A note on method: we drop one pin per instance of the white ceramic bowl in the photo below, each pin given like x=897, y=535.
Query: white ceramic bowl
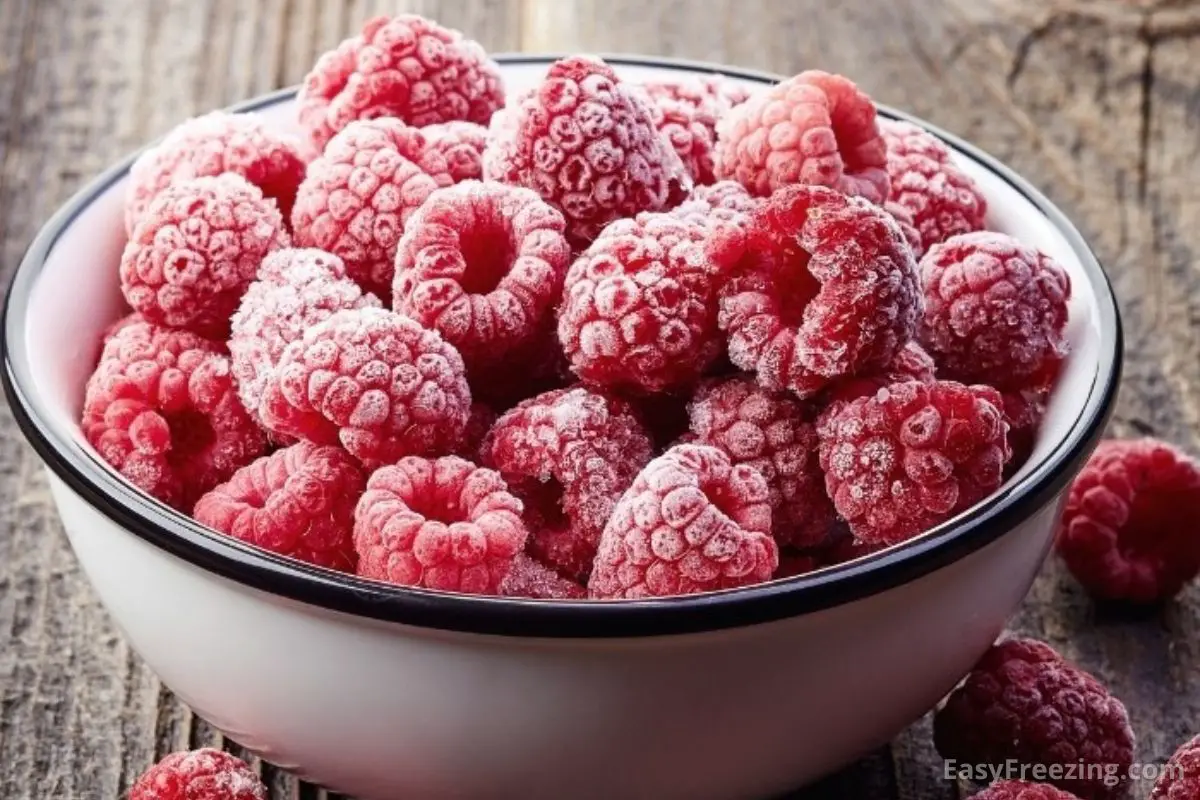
x=384, y=692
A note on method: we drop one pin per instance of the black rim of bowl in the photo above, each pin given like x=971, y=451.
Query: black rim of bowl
x=81, y=469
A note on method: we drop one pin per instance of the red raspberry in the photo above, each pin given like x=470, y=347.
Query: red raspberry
x=530, y=578
x=210, y=145
x=407, y=67
x=298, y=502
x=199, y=775
x=690, y=129
x=587, y=144
x=1023, y=409
x=440, y=524
x=375, y=382
x=692, y=522
x=161, y=408
x=638, y=307
x=1128, y=529
x=360, y=193
x=912, y=456
x=462, y=145
x=195, y=250
x=1180, y=778
x=529, y=369
x=823, y=286
x=905, y=140
x=568, y=454
x=721, y=203
x=124, y=322
x=771, y=433
x=813, y=128
x=942, y=200
x=713, y=95
x=995, y=311
x=908, y=226
x=1022, y=790
x=483, y=265
x=793, y=565
x=1024, y=702
x=911, y=363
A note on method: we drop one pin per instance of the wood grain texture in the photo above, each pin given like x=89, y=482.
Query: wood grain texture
x=1098, y=101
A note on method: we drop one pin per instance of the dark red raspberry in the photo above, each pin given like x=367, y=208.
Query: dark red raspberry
x=822, y=287
x=462, y=145
x=843, y=547
x=529, y=369
x=375, y=382
x=995, y=311
x=439, y=524
x=1128, y=529
x=1024, y=702
x=770, y=432
x=360, y=193
x=639, y=306
x=1022, y=790
x=205, y=774
x=161, y=408
x=406, y=67
x=813, y=128
x=692, y=522
x=912, y=456
x=1023, y=409
x=196, y=248
x=568, y=454
x=911, y=363
x=587, y=144
x=1180, y=777
x=479, y=422
x=908, y=226
x=792, y=565
x=210, y=145
x=665, y=417
x=530, y=578
x=942, y=200
x=483, y=265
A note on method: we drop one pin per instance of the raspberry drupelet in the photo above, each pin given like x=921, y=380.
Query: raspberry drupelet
x=439, y=524
x=204, y=774
x=1022, y=790
x=373, y=381
x=532, y=579
x=162, y=409
x=906, y=140
x=911, y=456
x=1180, y=778
x=1024, y=703
x=691, y=522
x=586, y=143
x=483, y=264
x=406, y=67
x=720, y=203
x=911, y=363
x=196, y=248
x=1128, y=531
x=813, y=128
x=686, y=114
x=461, y=144
x=820, y=287
x=298, y=501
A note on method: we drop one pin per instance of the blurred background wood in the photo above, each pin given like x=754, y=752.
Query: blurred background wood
x=1098, y=101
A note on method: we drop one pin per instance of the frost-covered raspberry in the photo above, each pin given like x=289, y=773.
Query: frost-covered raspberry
x=360, y=193
x=568, y=455
x=298, y=501
x=1022, y=790
x=639, y=306
x=406, y=67
x=375, y=382
x=210, y=145
x=586, y=143
x=906, y=140
x=1023, y=410
x=995, y=311
x=713, y=94
x=161, y=408
x=529, y=369
x=1180, y=777
x=771, y=433
x=483, y=264
x=439, y=524
x=911, y=456
x=911, y=363
x=822, y=286
x=196, y=248
x=204, y=774
x=532, y=579
x=461, y=144
x=692, y=522
x=479, y=422
x=813, y=128
x=908, y=226
x=720, y=203
x=1128, y=530
x=686, y=114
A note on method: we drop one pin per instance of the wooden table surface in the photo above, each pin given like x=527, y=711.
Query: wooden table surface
x=1097, y=101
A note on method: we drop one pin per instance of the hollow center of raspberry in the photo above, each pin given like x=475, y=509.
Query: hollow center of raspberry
x=488, y=256
x=191, y=436
x=543, y=504
x=794, y=287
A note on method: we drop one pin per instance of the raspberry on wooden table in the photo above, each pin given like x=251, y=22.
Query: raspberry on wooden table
x=205, y=774
x=461, y=144
x=1180, y=777
x=1022, y=790
x=532, y=579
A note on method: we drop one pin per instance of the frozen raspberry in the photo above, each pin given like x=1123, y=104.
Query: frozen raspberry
x=375, y=382
x=1022, y=790
x=941, y=199
x=822, y=287
x=124, y=322
x=479, y=422
x=1023, y=409
x=195, y=250
x=908, y=226
x=713, y=94
x=1024, y=702
x=911, y=363
x=843, y=547
x=912, y=456
x=770, y=433
x=691, y=130
x=568, y=454
x=792, y=565
x=692, y=522
x=360, y=193
x=1180, y=778
x=161, y=408
x=210, y=145
x=462, y=145
x=440, y=524
x=529, y=369
x=813, y=128
x=995, y=311
x=530, y=578
x=638, y=307
x=296, y=289
x=199, y=775
x=905, y=140
x=406, y=67
x=587, y=144
x=720, y=203
x=483, y=264
x=1128, y=530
